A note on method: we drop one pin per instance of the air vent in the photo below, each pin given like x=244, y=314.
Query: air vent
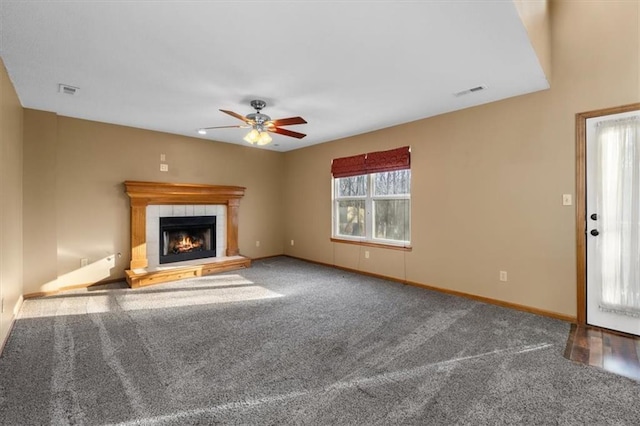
x=472, y=90
x=67, y=90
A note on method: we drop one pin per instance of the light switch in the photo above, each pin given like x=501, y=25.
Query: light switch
x=163, y=157
x=566, y=200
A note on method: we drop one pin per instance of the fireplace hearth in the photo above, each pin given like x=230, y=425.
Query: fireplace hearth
x=187, y=238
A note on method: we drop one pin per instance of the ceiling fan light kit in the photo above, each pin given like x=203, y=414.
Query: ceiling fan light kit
x=261, y=125
x=257, y=137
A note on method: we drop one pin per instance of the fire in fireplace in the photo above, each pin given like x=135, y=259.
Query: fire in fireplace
x=187, y=238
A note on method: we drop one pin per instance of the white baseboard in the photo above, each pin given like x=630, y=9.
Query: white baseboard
x=17, y=306
x=16, y=310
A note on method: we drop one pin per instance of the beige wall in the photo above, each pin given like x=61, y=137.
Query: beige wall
x=39, y=198
x=536, y=17
x=487, y=182
x=75, y=169
x=10, y=201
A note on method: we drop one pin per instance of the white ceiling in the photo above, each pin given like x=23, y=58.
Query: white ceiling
x=347, y=67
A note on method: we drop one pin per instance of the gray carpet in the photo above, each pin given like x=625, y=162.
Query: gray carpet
x=288, y=342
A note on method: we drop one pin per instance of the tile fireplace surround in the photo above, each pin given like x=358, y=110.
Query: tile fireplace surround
x=222, y=201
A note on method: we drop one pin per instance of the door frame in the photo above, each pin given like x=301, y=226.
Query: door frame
x=581, y=201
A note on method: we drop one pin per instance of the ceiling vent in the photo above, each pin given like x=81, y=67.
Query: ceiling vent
x=472, y=90
x=67, y=90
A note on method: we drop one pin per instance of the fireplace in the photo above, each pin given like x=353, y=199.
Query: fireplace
x=187, y=238
x=193, y=197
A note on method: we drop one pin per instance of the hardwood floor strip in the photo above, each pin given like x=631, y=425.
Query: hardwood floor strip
x=570, y=340
x=580, y=354
x=614, y=352
x=623, y=359
x=595, y=350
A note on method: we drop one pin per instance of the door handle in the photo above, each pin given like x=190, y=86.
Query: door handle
x=594, y=216
x=594, y=232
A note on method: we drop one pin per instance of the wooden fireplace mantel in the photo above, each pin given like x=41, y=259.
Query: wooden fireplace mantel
x=181, y=193
x=143, y=194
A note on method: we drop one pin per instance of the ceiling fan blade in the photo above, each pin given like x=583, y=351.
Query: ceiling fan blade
x=286, y=132
x=236, y=115
x=245, y=126
x=288, y=121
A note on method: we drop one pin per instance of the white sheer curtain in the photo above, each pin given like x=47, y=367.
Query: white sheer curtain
x=618, y=204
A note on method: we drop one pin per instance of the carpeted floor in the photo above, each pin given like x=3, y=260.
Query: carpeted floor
x=288, y=342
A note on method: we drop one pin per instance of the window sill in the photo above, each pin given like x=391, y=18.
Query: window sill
x=370, y=244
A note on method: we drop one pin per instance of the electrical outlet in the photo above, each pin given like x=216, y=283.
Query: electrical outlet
x=566, y=200
x=84, y=262
x=164, y=167
x=503, y=276
x=257, y=243
x=366, y=254
x=291, y=242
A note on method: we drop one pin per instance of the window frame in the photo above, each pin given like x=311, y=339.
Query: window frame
x=369, y=238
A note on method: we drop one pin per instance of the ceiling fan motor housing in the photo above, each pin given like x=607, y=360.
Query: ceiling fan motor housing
x=257, y=104
x=258, y=118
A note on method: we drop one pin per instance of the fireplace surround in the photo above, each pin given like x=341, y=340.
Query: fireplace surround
x=143, y=194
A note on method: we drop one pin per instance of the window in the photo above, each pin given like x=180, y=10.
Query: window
x=372, y=197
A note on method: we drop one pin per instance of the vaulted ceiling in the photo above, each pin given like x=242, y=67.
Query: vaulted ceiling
x=347, y=67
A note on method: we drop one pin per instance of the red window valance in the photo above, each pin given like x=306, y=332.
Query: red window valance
x=373, y=162
x=348, y=166
x=388, y=161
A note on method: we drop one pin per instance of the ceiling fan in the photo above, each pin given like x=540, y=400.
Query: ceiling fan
x=261, y=124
